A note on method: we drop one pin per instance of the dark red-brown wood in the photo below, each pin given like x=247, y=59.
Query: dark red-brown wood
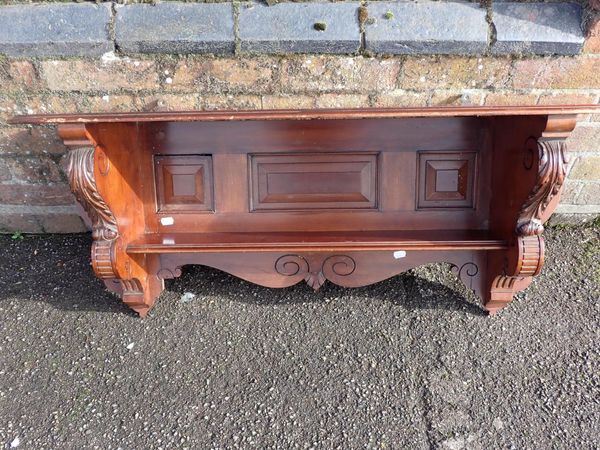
x=349, y=196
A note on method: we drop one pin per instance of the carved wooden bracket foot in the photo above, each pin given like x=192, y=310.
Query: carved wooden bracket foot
x=141, y=295
x=517, y=269
x=503, y=290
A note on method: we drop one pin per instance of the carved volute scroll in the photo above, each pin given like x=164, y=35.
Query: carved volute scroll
x=467, y=273
x=318, y=271
x=552, y=171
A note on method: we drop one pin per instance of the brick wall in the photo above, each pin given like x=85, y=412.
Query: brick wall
x=34, y=195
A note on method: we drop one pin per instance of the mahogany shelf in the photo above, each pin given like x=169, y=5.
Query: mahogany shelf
x=349, y=196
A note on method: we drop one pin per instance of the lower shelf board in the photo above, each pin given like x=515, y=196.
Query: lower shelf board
x=315, y=241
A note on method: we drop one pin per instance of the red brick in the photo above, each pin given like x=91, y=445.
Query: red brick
x=579, y=72
x=4, y=172
x=45, y=104
x=570, y=192
x=586, y=168
x=18, y=75
x=287, y=101
x=585, y=138
x=432, y=73
x=109, y=103
x=224, y=75
x=568, y=99
x=589, y=194
x=22, y=140
x=87, y=75
x=231, y=102
x=444, y=98
x=24, y=223
x=36, y=194
x=510, y=99
x=62, y=223
x=342, y=101
x=398, y=99
x=338, y=74
x=592, y=41
x=33, y=169
x=8, y=108
x=168, y=102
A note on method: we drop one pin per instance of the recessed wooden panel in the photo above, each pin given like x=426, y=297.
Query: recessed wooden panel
x=446, y=179
x=184, y=183
x=313, y=181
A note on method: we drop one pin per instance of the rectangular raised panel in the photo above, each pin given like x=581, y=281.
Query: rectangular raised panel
x=313, y=181
x=184, y=183
x=446, y=179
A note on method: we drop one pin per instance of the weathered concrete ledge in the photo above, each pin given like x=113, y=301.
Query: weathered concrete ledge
x=427, y=27
x=539, y=28
x=55, y=29
x=174, y=27
x=388, y=27
x=300, y=27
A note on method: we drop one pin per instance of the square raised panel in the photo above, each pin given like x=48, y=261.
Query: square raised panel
x=184, y=183
x=446, y=179
x=313, y=181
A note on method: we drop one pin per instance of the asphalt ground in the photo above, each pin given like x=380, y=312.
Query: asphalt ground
x=408, y=363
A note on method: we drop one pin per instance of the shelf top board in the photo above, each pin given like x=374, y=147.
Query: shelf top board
x=307, y=114
x=317, y=240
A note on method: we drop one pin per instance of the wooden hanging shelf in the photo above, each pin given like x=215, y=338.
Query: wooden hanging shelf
x=350, y=196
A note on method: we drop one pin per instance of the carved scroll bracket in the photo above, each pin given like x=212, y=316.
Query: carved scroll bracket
x=552, y=171
x=80, y=171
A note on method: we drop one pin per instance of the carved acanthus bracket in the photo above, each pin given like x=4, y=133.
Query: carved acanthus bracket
x=80, y=170
x=552, y=171
x=318, y=270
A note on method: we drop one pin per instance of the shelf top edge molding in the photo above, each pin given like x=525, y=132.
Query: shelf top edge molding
x=307, y=114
